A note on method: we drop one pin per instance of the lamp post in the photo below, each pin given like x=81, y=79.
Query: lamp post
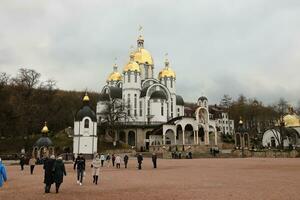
x=242, y=132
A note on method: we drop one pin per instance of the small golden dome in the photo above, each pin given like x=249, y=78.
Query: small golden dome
x=291, y=120
x=142, y=56
x=132, y=65
x=115, y=75
x=86, y=97
x=167, y=72
x=45, y=128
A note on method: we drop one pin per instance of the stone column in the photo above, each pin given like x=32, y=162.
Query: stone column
x=126, y=137
x=164, y=138
x=206, y=137
x=183, y=138
x=197, y=137
x=216, y=138
x=175, y=141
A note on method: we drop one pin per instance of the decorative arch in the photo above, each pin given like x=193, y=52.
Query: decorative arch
x=131, y=138
x=237, y=140
x=148, y=80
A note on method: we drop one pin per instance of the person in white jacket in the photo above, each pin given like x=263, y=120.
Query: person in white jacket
x=118, y=161
x=96, y=164
x=102, y=158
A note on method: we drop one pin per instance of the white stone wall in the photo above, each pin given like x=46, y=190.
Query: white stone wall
x=155, y=110
x=85, y=139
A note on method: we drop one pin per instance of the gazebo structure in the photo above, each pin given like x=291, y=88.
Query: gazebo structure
x=43, y=147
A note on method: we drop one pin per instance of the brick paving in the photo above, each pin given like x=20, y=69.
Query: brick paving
x=250, y=178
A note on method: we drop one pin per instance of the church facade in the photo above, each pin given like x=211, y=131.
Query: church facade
x=143, y=110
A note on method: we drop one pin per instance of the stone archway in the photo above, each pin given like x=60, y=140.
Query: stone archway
x=122, y=136
x=238, y=140
x=201, y=134
x=179, y=134
x=189, y=134
x=170, y=137
x=131, y=138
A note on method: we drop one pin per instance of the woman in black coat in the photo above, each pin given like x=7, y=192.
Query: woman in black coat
x=48, y=175
x=59, y=172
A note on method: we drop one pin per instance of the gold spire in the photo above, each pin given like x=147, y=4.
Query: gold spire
x=86, y=97
x=141, y=55
x=45, y=128
x=132, y=65
x=115, y=75
x=167, y=71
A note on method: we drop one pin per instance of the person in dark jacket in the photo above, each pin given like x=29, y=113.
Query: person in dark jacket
x=80, y=163
x=126, y=160
x=22, y=162
x=140, y=160
x=154, y=159
x=113, y=159
x=48, y=173
x=59, y=171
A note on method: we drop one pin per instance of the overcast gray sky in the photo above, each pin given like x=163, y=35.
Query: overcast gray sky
x=215, y=47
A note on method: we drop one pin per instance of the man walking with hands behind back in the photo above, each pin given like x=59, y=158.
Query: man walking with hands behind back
x=140, y=160
x=80, y=163
x=154, y=159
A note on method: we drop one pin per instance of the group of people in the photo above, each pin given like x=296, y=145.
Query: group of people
x=54, y=171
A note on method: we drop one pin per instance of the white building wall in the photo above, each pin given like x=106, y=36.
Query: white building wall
x=85, y=140
x=156, y=110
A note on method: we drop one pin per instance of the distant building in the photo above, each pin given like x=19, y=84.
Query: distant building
x=291, y=132
x=223, y=123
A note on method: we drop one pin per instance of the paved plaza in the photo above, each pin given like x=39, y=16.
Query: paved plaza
x=250, y=178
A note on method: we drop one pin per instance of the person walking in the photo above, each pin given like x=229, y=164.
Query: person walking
x=113, y=159
x=96, y=168
x=59, y=171
x=118, y=161
x=32, y=163
x=80, y=163
x=102, y=158
x=22, y=162
x=140, y=160
x=126, y=160
x=48, y=172
x=108, y=160
x=3, y=175
x=154, y=160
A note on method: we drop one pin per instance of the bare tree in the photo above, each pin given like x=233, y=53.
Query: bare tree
x=27, y=78
x=114, y=114
x=4, y=79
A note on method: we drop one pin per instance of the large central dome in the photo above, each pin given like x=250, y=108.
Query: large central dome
x=142, y=56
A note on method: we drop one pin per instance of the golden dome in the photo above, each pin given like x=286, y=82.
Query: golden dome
x=115, y=75
x=86, y=97
x=132, y=65
x=142, y=56
x=167, y=72
x=45, y=128
x=291, y=120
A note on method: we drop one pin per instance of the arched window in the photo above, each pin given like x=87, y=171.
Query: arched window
x=86, y=123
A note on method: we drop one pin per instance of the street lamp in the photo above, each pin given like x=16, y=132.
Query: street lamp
x=242, y=133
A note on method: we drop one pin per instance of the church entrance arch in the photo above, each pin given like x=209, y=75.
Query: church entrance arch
x=131, y=138
x=170, y=137
x=179, y=134
x=122, y=137
x=189, y=134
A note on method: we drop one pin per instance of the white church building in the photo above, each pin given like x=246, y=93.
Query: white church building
x=143, y=110
x=85, y=138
